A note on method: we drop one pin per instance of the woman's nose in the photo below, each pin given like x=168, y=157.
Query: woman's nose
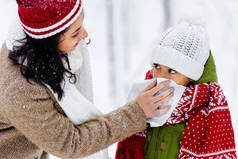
x=84, y=33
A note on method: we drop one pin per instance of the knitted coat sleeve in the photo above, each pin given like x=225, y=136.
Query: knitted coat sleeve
x=133, y=146
x=31, y=110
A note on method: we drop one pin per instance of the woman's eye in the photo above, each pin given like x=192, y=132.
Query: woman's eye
x=172, y=71
x=156, y=66
x=75, y=35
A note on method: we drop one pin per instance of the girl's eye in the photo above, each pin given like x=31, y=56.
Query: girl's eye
x=172, y=71
x=156, y=66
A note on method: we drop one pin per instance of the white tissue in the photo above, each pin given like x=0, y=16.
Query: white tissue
x=158, y=120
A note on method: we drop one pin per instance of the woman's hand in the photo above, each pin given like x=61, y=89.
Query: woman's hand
x=149, y=103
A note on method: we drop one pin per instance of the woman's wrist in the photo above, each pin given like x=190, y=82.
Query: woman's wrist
x=135, y=108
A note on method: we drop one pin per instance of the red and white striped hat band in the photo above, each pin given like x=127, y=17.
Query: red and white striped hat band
x=45, y=18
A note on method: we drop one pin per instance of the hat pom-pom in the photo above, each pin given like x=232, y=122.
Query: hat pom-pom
x=198, y=21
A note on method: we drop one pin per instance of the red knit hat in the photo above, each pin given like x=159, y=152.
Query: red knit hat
x=44, y=18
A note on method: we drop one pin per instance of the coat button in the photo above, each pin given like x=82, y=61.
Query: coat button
x=162, y=145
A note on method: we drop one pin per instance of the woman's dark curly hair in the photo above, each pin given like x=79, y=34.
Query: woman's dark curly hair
x=40, y=60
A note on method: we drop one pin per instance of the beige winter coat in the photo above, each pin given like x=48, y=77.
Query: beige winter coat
x=32, y=124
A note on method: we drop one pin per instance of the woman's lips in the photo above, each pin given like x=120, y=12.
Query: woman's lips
x=76, y=44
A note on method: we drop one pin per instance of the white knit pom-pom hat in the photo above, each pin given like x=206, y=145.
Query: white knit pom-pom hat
x=184, y=48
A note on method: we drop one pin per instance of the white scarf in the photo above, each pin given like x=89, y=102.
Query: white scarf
x=77, y=101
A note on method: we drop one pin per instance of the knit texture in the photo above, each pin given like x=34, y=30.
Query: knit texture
x=77, y=101
x=45, y=18
x=32, y=124
x=184, y=48
x=223, y=127
x=208, y=133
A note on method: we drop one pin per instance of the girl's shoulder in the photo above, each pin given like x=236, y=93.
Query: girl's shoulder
x=207, y=85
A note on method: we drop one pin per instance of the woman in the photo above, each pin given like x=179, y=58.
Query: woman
x=38, y=73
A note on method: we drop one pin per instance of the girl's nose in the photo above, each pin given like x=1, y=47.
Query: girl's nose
x=160, y=74
x=163, y=75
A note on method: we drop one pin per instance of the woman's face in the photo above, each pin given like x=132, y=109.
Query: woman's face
x=74, y=34
x=168, y=73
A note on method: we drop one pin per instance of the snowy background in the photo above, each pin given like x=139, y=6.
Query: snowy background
x=123, y=33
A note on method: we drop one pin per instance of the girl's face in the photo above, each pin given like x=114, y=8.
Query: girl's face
x=168, y=73
x=74, y=34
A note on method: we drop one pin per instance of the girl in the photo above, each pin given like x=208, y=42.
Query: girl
x=46, y=93
x=200, y=125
